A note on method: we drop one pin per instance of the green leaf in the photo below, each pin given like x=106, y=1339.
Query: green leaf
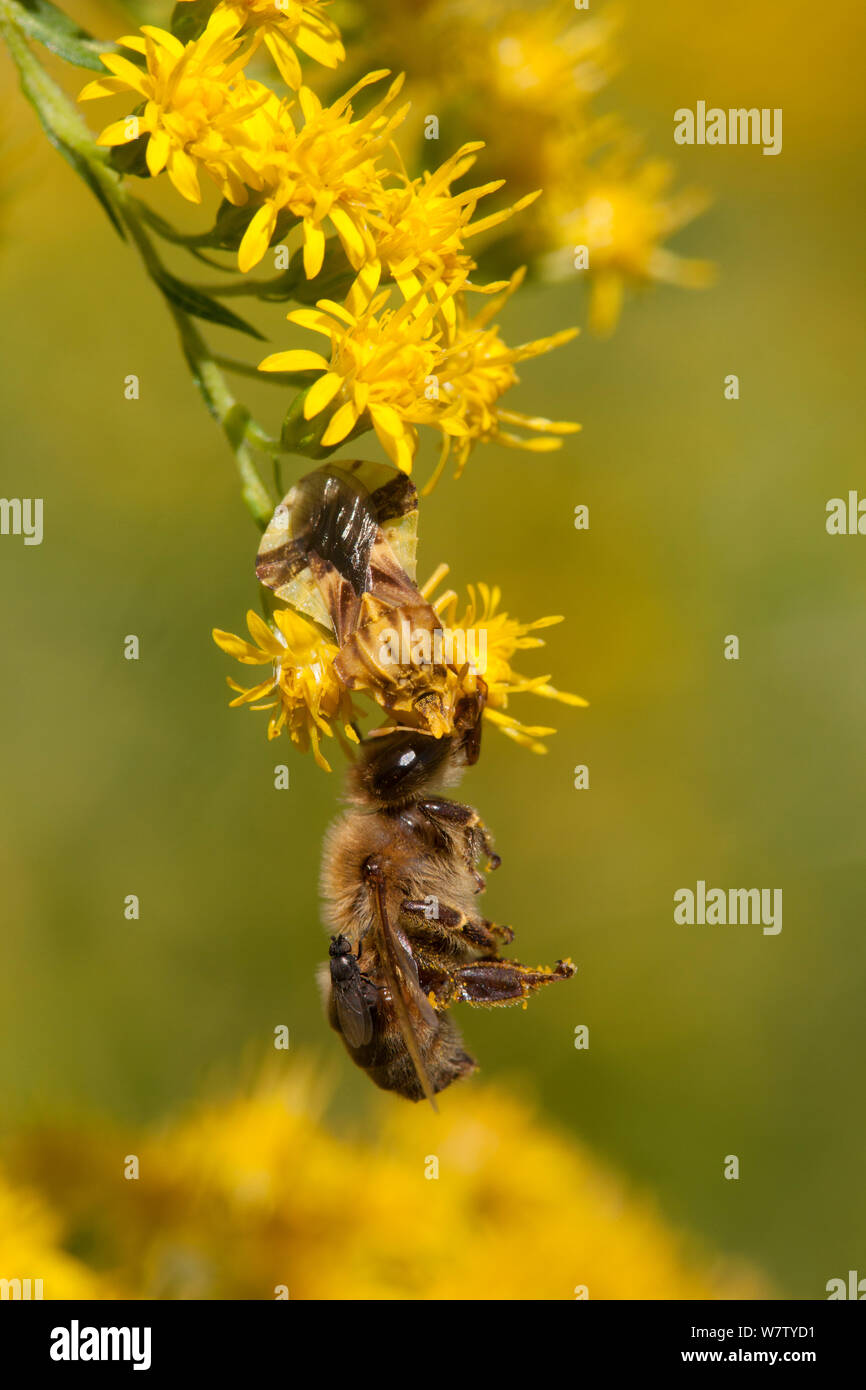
x=227, y=232
x=300, y=436
x=85, y=171
x=43, y=22
x=332, y=282
x=276, y=290
x=170, y=233
x=225, y=235
x=189, y=21
x=56, y=113
x=201, y=306
x=131, y=158
x=335, y=286
x=159, y=224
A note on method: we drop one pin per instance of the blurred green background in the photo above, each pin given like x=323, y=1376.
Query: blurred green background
x=707, y=518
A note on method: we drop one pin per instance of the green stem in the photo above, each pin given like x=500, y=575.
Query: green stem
x=237, y=423
x=273, y=289
x=51, y=104
x=240, y=429
x=68, y=132
x=236, y=288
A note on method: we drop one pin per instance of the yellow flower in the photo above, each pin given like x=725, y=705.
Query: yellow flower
x=324, y=172
x=31, y=1250
x=420, y=229
x=381, y=368
x=242, y=1201
x=195, y=103
x=495, y=637
x=306, y=692
x=285, y=25
x=474, y=370
x=531, y=64
x=623, y=217
x=408, y=367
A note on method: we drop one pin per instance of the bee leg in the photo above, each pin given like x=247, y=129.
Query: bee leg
x=496, y=982
x=477, y=932
x=455, y=813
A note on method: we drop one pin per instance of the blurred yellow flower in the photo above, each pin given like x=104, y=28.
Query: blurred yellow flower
x=524, y=80
x=255, y=1197
x=533, y=65
x=303, y=687
x=30, y=1251
x=622, y=216
x=502, y=637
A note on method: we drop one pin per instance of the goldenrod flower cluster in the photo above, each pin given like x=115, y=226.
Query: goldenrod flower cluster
x=304, y=694
x=403, y=348
x=531, y=82
x=504, y=636
x=245, y=1197
x=335, y=175
x=410, y=366
x=303, y=690
x=384, y=263
x=395, y=254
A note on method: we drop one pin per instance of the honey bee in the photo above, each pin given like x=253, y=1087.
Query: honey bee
x=399, y=882
x=400, y=871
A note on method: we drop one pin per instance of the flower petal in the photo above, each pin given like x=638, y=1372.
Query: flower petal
x=321, y=393
x=257, y=238
x=314, y=249
x=342, y=424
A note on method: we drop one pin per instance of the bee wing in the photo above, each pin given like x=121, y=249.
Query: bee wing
x=401, y=978
x=354, y=1013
